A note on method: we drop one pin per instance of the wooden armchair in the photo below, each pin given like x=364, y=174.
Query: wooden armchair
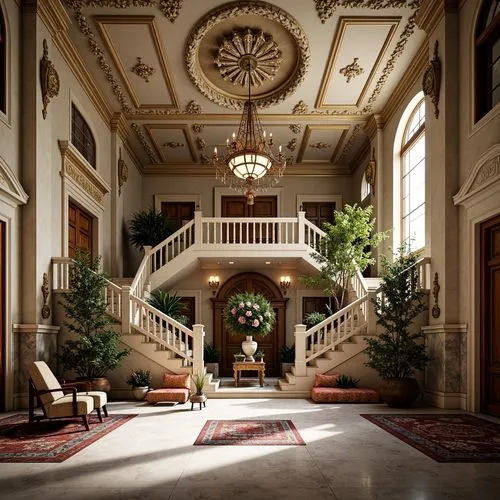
x=50, y=395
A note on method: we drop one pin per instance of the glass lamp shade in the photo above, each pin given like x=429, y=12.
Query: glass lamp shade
x=249, y=164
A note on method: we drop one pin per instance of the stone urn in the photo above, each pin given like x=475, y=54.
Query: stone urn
x=399, y=392
x=140, y=392
x=249, y=346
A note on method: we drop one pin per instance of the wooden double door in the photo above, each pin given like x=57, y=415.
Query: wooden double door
x=490, y=317
x=228, y=344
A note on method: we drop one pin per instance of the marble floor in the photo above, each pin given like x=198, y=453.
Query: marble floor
x=346, y=457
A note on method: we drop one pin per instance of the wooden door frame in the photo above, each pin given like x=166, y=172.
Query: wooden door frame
x=278, y=302
x=219, y=192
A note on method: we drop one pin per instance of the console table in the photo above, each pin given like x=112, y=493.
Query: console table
x=258, y=366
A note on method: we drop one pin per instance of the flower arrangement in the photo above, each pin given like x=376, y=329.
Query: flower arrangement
x=249, y=314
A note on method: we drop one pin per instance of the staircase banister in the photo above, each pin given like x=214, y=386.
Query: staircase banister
x=315, y=228
x=138, y=275
x=249, y=220
x=172, y=237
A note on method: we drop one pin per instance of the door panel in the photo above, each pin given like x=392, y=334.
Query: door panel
x=79, y=230
x=490, y=317
x=319, y=212
x=179, y=212
x=2, y=316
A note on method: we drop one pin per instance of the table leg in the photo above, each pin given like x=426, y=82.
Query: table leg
x=261, y=378
x=192, y=404
x=236, y=377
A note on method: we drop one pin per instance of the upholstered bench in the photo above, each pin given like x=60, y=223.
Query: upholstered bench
x=175, y=389
x=325, y=391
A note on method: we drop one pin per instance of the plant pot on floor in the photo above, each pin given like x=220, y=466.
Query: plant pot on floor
x=98, y=383
x=399, y=392
x=140, y=392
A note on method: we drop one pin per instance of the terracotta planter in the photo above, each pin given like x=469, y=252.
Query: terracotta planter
x=399, y=392
x=100, y=384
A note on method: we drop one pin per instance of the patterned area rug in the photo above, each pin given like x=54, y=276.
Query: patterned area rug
x=249, y=433
x=445, y=438
x=51, y=440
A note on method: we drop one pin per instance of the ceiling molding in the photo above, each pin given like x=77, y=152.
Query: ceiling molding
x=158, y=147
x=432, y=11
x=54, y=16
x=307, y=136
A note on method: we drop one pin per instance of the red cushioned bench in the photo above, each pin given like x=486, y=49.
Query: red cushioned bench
x=175, y=389
x=325, y=391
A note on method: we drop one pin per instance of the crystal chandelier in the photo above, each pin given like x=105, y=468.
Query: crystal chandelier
x=249, y=164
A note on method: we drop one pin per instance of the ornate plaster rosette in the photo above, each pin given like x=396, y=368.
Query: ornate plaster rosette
x=225, y=18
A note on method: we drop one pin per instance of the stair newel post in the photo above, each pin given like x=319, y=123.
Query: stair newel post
x=149, y=265
x=198, y=227
x=198, y=340
x=371, y=318
x=125, y=310
x=301, y=217
x=300, y=350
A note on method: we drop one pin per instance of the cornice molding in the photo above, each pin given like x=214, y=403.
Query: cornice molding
x=432, y=11
x=54, y=16
x=410, y=77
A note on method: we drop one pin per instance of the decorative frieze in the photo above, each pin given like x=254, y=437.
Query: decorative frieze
x=171, y=8
x=193, y=108
x=296, y=128
x=350, y=142
x=488, y=170
x=300, y=108
x=147, y=148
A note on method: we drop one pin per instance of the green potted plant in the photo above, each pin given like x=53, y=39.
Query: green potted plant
x=287, y=358
x=346, y=382
x=239, y=356
x=139, y=380
x=211, y=359
x=199, y=382
x=149, y=228
x=169, y=304
x=396, y=353
x=345, y=249
x=96, y=349
x=249, y=314
x=259, y=356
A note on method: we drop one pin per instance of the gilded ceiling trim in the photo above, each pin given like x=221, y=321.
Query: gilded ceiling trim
x=352, y=70
x=233, y=10
x=296, y=128
x=160, y=151
x=350, y=142
x=307, y=135
x=142, y=139
x=142, y=70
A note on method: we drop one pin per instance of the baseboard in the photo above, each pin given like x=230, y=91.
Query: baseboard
x=446, y=400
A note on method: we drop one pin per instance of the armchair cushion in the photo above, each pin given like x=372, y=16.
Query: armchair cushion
x=63, y=407
x=176, y=381
x=44, y=379
x=326, y=380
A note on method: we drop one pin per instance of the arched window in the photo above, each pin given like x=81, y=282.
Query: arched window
x=487, y=58
x=3, y=64
x=365, y=187
x=81, y=136
x=412, y=177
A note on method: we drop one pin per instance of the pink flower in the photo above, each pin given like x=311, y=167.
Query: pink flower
x=233, y=311
x=241, y=305
x=255, y=323
x=241, y=320
x=256, y=307
x=248, y=314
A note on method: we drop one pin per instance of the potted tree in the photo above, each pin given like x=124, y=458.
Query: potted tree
x=396, y=353
x=345, y=249
x=96, y=349
x=211, y=359
x=149, y=228
x=139, y=380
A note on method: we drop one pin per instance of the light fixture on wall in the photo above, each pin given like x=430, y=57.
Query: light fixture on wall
x=213, y=283
x=249, y=164
x=285, y=283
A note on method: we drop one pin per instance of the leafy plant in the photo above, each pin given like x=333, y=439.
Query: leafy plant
x=96, y=351
x=199, y=381
x=287, y=354
x=395, y=353
x=210, y=353
x=346, y=382
x=139, y=378
x=169, y=304
x=259, y=355
x=345, y=248
x=148, y=227
x=313, y=318
x=249, y=314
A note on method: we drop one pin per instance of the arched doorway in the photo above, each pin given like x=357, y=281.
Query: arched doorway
x=228, y=344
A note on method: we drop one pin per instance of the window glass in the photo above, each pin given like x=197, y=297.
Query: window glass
x=81, y=136
x=3, y=64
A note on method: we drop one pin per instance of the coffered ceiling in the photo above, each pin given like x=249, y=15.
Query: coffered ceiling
x=176, y=71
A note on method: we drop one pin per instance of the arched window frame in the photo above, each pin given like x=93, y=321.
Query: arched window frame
x=413, y=138
x=366, y=188
x=82, y=137
x=487, y=55
x=3, y=63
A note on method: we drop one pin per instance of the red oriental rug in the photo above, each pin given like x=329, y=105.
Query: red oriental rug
x=51, y=440
x=249, y=433
x=445, y=438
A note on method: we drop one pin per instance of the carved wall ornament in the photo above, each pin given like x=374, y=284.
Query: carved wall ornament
x=292, y=144
x=171, y=8
x=350, y=142
x=436, y=311
x=489, y=170
x=197, y=128
x=193, y=108
x=49, y=79
x=174, y=145
x=351, y=70
x=232, y=11
x=147, y=148
x=296, y=128
x=371, y=172
x=205, y=159
x=248, y=53
x=122, y=173
x=431, y=81
x=300, y=108
x=201, y=144
x=142, y=70
x=320, y=145
x=45, y=293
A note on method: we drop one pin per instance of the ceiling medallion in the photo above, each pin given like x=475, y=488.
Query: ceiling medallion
x=351, y=70
x=248, y=55
x=143, y=70
x=232, y=11
x=320, y=145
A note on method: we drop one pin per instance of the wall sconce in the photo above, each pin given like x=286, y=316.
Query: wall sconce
x=285, y=283
x=213, y=283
